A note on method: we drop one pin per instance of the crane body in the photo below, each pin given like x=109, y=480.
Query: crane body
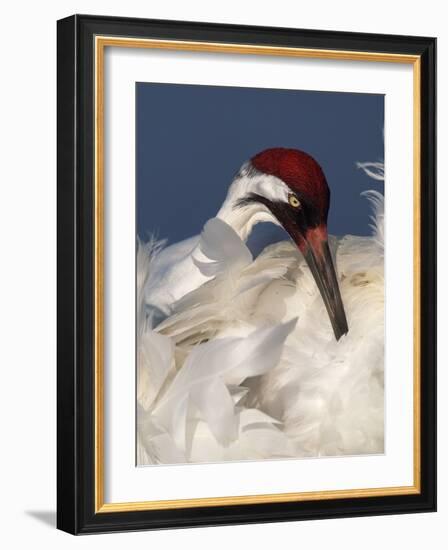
x=270, y=357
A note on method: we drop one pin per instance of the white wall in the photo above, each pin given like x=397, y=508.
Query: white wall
x=27, y=272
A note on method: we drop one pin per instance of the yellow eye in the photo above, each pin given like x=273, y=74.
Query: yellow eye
x=293, y=201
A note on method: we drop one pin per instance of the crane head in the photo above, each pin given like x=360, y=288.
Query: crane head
x=292, y=186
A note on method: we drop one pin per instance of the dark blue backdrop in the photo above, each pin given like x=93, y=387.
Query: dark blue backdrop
x=191, y=140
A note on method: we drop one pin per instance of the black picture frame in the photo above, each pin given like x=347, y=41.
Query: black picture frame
x=76, y=512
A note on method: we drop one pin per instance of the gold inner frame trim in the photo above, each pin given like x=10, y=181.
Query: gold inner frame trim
x=101, y=42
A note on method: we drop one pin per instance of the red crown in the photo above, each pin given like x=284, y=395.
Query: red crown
x=299, y=171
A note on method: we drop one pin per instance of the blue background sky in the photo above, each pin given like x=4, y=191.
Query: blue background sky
x=191, y=140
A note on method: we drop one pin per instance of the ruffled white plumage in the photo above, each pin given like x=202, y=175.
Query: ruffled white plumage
x=237, y=377
x=189, y=394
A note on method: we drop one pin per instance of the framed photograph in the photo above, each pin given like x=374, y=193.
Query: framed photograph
x=246, y=274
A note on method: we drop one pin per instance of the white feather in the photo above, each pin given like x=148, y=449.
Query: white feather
x=205, y=376
x=155, y=362
x=154, y=351
x=377, y=218
x=231, y=295
x=374, y=170
x=221, y=249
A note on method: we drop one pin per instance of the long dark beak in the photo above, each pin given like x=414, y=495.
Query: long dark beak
x=318, y=256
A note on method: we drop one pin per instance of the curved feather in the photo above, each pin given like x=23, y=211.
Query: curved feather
x=220, y=249
x=208, y=371
x=374, y=170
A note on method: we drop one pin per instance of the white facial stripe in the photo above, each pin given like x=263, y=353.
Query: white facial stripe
x=271, y=187
x=250, y=180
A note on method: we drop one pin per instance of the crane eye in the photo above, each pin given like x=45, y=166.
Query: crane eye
x=293, y=201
